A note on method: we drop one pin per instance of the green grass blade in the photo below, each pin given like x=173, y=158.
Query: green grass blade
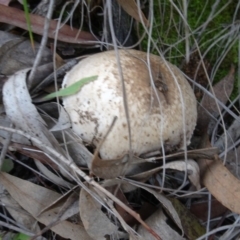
x=72, y=89
x=27, y=16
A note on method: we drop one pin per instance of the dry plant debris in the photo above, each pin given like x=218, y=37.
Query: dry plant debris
x=65, y=34
x=75, y=186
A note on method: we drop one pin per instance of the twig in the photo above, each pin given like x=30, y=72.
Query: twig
x=5, y=146
x=125, y=102
x=43, y=43
x=10, y=226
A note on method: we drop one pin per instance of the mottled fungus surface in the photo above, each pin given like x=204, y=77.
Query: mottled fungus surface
x=161, y=104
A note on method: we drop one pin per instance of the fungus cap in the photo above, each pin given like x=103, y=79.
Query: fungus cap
x=161, y=104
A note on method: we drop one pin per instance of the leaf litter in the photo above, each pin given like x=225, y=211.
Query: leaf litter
x=27, y=195
x=214, y=175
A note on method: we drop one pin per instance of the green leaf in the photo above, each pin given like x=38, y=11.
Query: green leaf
x=72, y=89
x=7, y=165
x=21, y=236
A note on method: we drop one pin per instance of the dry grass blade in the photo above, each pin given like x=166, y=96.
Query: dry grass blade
x=207, y=153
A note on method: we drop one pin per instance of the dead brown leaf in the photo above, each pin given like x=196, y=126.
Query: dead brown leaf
x=108, y=169
x=190, y=165
x=34, y=198
x=167, y=205
x=125, y=185
x=158, y=221
x=222, y=91
x=5, y=122
x=65, y=202
x=209, y=107
x=233, y=133
x=16, y=53
x=232, y=162
x=67, y=34
x=200, y=209
x=68, y=207
x=131, y=8
x=124, y=166
x=35, y=153
x=79, y=172
x=20, y=215
x=192, y=228
x=116, y=190
x=219, y=181
x=214, y=175
x=96, y=223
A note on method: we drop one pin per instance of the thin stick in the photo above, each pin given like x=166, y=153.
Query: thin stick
x=125, y=102
x=43, y=42
x=10, y=226
x=5, y=147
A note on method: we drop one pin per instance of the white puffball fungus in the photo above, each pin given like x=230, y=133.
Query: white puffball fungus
x=161, y=103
